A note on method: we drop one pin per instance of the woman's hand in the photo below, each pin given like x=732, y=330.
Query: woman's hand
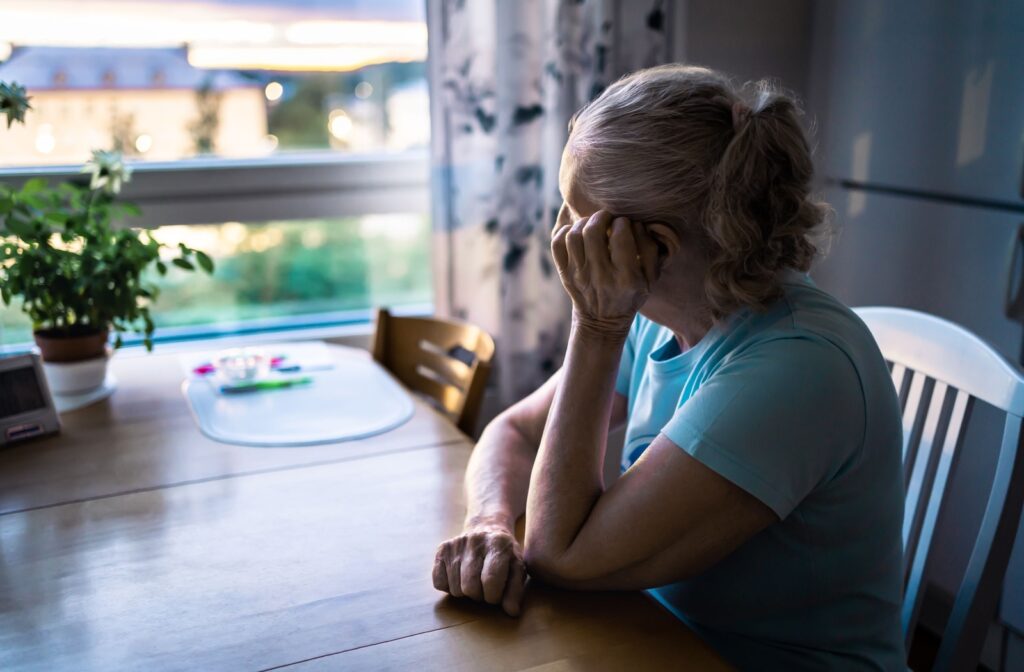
x=484, y=563
x=607, y=265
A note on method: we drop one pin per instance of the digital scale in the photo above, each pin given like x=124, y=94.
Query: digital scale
x=26, y=407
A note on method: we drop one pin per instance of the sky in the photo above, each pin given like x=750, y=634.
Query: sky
x=402, y=10
x=391, y=10
x=262, y=34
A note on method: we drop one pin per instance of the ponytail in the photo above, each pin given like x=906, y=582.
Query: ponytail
x=758, y=214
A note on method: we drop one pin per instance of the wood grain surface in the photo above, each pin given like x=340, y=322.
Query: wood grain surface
x=144, y=437
x=248, y=562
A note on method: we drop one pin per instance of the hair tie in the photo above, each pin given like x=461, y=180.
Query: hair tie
x=740, y=114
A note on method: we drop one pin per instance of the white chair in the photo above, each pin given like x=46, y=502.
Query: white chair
x=939, y=370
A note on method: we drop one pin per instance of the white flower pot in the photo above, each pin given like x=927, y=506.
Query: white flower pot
x=76, y=378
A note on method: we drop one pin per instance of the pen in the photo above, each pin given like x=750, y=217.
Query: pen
x=265, y=385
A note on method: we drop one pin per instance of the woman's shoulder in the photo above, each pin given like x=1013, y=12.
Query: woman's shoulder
x=805, y=311
x=814, y=311
x=811, y=331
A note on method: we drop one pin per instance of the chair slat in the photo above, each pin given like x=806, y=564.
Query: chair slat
x=451, y=370
x=899, y=372
x=920, y=476
x=946, y=463
x=913, y=418
x=432, y=385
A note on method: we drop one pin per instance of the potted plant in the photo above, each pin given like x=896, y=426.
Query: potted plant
x=76, y=275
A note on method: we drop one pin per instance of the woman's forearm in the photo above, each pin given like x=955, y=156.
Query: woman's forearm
x=607, y=266
x=498, y=475
x=485, y=562
x=567, y=476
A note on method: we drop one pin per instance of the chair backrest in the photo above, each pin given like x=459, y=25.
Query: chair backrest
x=939, y=370
x=447, y=362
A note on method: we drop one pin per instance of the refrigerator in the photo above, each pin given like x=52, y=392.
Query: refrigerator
x=919, y=106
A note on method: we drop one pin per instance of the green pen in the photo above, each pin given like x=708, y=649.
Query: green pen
x=260, y=385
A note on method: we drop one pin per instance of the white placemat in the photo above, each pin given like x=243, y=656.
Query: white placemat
x=352, y=400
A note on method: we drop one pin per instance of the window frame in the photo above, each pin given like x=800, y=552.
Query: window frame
x=289, y=185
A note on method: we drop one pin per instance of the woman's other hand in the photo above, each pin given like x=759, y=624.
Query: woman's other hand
x=484, y=563
x=607, y=266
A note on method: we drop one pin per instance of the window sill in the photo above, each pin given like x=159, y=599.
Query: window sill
x=353, y=335
x=357, y=331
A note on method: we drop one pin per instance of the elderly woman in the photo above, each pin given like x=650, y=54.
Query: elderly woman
x=761, y=497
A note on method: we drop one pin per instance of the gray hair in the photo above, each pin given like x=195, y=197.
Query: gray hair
x=730, y=167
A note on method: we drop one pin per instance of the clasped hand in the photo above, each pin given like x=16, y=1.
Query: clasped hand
x=607, y=266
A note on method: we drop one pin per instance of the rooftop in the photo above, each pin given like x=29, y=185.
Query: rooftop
x=78, y=68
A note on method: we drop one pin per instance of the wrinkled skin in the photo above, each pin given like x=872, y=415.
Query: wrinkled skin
x=484, y=563
x=607, y=266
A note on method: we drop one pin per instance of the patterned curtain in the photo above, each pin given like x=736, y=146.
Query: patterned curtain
x=506, y=76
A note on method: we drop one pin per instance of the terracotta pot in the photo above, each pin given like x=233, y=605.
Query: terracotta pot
x=78, y=345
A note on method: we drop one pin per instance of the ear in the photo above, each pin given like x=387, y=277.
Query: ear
x=668, y=240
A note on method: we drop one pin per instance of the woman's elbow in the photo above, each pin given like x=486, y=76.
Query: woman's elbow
x=559, y=569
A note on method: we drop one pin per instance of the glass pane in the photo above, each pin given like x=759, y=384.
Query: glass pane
x=276, y=274
x=255, y=77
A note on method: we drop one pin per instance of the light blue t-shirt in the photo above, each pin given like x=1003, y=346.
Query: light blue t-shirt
x=794, y=405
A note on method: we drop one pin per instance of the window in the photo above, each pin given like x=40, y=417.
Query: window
x=284, y=274
x=305, y=119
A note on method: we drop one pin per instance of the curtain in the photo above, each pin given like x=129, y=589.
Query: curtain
x=505, y=78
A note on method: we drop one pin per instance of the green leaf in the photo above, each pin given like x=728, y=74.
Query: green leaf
x=32, y=186
x=36, y=201
x=161, y=268
x=183, y=263
x=204, y=260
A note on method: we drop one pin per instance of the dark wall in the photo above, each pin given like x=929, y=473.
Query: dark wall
x=752, y=39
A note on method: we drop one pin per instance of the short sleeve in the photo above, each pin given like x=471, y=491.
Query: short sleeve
x=777, y=419
x=624, y=378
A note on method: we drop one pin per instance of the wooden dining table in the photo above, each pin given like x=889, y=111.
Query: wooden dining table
x=132, y=542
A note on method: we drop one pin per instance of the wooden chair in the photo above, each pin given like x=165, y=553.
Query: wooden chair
x=445, y=361
x=939, y=370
